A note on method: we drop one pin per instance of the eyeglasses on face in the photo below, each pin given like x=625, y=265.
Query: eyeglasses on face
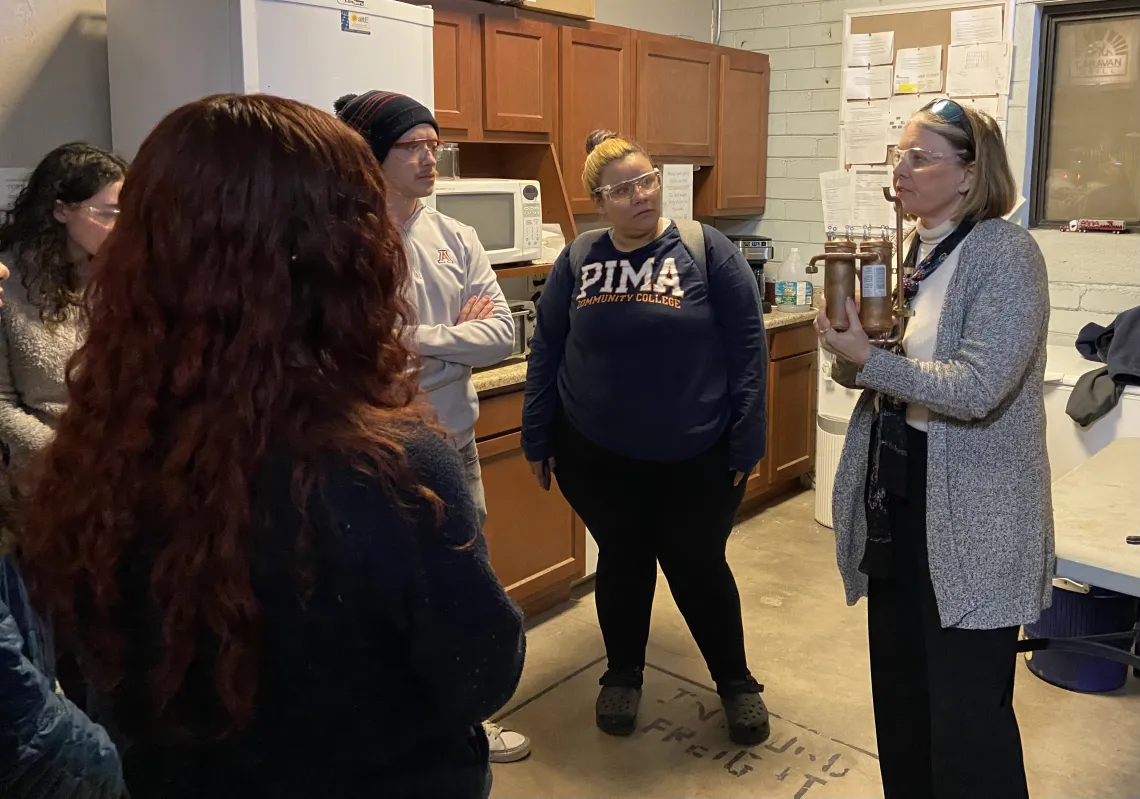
x=916, y=157
x=418, y=148
x=104, y=215
x=627, y=190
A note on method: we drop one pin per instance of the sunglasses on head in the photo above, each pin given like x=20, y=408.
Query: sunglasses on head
x=952, y=113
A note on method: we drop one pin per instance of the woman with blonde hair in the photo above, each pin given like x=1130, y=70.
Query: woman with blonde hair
x=942, y=504
x=645, y=397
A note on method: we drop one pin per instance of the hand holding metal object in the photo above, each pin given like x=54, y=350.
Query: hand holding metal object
x=840, y=271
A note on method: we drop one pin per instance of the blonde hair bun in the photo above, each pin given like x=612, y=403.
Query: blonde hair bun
x=596, y=137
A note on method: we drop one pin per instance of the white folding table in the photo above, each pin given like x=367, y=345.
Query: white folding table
x=1095, y=508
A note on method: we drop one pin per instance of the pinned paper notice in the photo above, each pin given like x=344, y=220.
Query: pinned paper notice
x=868, y=206
x=996, y=107
x=870, y=49
x=976, y=70
x=902, y=108
x=976, y=25
x=835, y=189
x=1016, y=207
x=868, y=83
x=677, y=191
x=11, y=184
x=919, y=69
x=865, y=132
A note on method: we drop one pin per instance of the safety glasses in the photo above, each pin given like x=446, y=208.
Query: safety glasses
x=627, y=190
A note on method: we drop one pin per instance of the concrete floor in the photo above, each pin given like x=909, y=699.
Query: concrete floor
x=810, y=650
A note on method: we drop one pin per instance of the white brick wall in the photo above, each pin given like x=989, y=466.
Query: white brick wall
x=1092, y=276
x=804, y=43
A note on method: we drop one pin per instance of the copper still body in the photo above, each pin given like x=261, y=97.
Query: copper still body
x=876, y=300
x=882, y=301
x=842, y=265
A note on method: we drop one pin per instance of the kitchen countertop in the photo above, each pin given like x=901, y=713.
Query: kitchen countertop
x=778, y=319
x=511, y=374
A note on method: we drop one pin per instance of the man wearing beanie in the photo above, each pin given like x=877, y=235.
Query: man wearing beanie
x=464, y=320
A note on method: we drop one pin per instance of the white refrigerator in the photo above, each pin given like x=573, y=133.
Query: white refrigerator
x=835, y=406
x=165, y=53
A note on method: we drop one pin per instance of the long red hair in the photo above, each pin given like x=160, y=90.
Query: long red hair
x=251, y=296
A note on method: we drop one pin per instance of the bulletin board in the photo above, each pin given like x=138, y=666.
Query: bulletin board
x=863, y=159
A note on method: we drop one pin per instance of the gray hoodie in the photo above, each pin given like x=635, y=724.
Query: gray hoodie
x=449, y=266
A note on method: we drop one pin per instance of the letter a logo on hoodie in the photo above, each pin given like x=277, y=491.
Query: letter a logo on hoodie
x=445, y=257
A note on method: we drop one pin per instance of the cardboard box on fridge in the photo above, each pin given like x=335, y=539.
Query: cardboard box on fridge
x=580, y=9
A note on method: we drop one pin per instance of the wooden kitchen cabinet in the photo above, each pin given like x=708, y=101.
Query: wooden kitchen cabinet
x=791, y=442
x=676, y=97
x=791, y=412
x=737, y=182
x=761, y=478
x=520, y=75
x=597, y=93
x=458, y=60
x=537, y=543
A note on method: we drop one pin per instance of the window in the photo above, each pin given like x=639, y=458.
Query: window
x=1087, y=159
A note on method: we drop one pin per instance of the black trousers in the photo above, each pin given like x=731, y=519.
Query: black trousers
x=642, y=513
x=943, y=697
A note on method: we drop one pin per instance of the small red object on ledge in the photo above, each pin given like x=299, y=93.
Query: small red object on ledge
x=1096, y=226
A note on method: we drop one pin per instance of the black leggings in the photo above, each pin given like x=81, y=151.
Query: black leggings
x=643, y=513
x=943, y=697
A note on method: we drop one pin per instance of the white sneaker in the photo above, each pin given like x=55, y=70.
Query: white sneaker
x=506, y=746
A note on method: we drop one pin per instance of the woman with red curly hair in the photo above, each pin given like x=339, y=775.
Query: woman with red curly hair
x=270, y=564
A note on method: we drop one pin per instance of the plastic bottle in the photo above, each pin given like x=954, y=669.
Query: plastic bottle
x=793, y=286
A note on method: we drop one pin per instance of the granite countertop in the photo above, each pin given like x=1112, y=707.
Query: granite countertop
x=511, y=374
x=778, y=319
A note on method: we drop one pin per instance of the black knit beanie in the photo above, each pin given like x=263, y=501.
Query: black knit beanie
x=382, y=117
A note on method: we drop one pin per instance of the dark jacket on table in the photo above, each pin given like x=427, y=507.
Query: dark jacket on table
x=48, y=748
x=374, y=687
x=1118, y=346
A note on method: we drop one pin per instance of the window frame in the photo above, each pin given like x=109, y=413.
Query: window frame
x=1052, y=15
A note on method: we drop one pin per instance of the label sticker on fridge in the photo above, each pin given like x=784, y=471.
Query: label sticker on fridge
x=351, y=22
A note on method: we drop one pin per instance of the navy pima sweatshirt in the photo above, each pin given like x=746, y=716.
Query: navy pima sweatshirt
x=648, y=360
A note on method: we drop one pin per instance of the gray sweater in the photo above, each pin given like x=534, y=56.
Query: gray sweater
x=989, y=510
x=33, y=363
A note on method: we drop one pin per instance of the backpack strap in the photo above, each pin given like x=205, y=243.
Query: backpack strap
x=693, y=237
x=580, y=248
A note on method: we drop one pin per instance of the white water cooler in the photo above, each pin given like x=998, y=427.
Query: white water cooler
x=835, y=406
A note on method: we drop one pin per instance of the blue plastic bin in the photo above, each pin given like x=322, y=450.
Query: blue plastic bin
x=1075, y=614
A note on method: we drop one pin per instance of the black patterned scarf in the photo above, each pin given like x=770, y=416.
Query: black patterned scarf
x=887, y=467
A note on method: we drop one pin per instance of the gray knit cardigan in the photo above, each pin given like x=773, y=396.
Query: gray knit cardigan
x=33, y=363
x=989, y=514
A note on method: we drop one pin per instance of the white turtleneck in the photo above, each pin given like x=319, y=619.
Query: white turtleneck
x=922, y=330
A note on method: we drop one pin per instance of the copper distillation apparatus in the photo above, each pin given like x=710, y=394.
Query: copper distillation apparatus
x=882, y=303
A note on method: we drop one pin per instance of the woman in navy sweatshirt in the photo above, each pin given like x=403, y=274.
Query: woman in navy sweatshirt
x=270, y=564
x=645, y=398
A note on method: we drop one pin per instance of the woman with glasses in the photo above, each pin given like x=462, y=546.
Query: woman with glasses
x=645, y=397
x=942, y=502
x=59, y=221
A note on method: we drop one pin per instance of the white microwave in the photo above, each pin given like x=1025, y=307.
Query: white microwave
x=507, y=214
